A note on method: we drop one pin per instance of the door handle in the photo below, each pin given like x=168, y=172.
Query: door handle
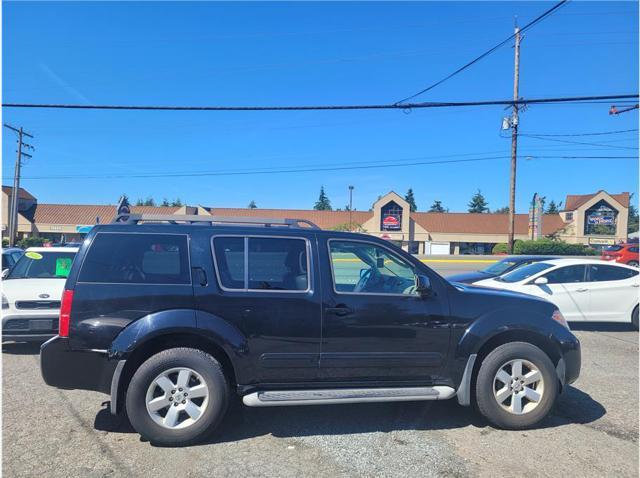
x=200, y=276
x=340, y=310
x=582, y=290
x=635, y=285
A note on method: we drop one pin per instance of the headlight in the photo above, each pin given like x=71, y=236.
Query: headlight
x=558, y=317
x=5, y=302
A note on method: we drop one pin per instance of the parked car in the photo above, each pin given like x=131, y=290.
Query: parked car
x=583, y=289
x=494, y=270
x=10, y=256
x=31, y=293
x=172, y=319
x=622, y=253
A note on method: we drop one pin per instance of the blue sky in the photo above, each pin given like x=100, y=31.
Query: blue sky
x=313, y=53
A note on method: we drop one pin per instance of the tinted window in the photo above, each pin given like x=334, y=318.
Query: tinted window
x=499, y=267
x=360, y=267
x=273, y=263
x=137, y=258
x=612, y=248
x=601, y=273
x=633, y=249
x=277, y=264
x=566, y=275
x=524, y=272
x=43, y=265
x=229, y=253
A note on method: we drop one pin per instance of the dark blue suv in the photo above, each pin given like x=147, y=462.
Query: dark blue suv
x=174, y=315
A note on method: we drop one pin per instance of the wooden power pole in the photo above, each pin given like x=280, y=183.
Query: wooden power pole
x=15, y=192
x=514, y=144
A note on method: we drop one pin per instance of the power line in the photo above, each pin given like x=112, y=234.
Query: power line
x=304, y=170
x=488, y=52
x=584, y=134
x=577, y=142
x=396, y=106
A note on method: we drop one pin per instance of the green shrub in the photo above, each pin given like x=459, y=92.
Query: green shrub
x=31, y=242
x=553, y=248
x=500, y=248
x=5, y=242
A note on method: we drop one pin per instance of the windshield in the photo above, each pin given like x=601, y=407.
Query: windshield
x=522, y=273
x=499, y=267
x=43, y=265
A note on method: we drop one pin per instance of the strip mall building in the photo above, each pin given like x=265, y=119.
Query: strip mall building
x=596, y=219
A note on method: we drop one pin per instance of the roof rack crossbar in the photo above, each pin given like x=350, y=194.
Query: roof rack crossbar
x=198, y=219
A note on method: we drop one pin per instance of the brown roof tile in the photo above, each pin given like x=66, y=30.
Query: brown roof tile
x=23, y=193
x=468, y=223
x=574, y=201
x=323, y=219
x=87, y=213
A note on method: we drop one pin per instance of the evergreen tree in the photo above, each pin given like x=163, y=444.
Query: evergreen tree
x=437, y=207
x=139, y=202
x=176, y=202
x=149, y=202
x=553, y=207
x=252, y=205
x=502, y=210
x=478, y=203
x=165, y=202
x=633, y=223
x=323, y=203
x=411, y=200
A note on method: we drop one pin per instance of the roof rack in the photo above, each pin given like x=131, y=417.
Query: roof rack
x=196, y=219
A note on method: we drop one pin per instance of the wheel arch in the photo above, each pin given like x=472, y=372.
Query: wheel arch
x=162, y=342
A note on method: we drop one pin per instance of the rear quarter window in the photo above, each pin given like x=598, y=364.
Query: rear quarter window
x=138, y=258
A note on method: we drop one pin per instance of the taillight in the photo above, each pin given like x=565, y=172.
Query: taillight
x=65, y=313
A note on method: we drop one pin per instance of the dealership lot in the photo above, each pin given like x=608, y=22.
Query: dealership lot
x=592, y=432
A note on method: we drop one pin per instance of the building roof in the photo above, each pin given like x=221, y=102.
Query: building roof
x=86, y=214
x=574, y=201
x=22, y=193
x=485, y=223
x=323, y=219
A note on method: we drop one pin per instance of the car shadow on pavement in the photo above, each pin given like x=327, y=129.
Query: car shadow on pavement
x=602, y=326
x=21, y=348
x=241, y=422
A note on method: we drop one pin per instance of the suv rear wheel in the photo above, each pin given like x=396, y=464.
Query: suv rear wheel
x=516, y=386
x=177, y=397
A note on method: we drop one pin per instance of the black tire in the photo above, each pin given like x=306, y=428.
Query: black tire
x=488, y=404
x=632, y=263
x=634, y=318
x=197, y=360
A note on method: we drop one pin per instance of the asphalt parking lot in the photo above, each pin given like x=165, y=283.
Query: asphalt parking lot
x=593, y=431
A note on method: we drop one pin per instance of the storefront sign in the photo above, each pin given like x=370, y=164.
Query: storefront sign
x=601, y=242
x=601, y=220
x=391, y=223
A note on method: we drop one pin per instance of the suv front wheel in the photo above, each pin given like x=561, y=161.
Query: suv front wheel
x=516, y=386
x=177, y=397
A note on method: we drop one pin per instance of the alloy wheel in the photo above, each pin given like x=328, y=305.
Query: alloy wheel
x=518, y=386
x=177, y=398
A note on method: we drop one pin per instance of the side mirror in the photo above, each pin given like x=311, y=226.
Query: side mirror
x=423, y=285
x=541, y=281
x=5, y=273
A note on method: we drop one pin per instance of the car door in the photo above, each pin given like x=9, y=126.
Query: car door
x=567, y=288
x=265, y=287
x=613, y=292
x=375, y=326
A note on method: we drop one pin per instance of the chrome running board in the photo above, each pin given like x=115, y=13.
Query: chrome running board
x=277, y=398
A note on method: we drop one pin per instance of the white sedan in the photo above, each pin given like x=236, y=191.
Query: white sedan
x=583, y=289
x=31, y=293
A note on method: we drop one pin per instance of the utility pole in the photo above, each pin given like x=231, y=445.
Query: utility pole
x=514, y=144
x=13, y=213
x=350, y=207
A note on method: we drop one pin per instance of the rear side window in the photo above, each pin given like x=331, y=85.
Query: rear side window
x=566, y=275
x=137, y=259
x=633, y=249
x=262, y=263
x=603, y=273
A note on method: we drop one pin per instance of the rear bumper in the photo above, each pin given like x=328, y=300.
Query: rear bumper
x=64, y=368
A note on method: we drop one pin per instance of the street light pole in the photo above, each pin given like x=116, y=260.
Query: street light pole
x=350, y=207
x=514, y=145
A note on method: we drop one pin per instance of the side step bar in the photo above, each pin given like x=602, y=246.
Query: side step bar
x=345, y=395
